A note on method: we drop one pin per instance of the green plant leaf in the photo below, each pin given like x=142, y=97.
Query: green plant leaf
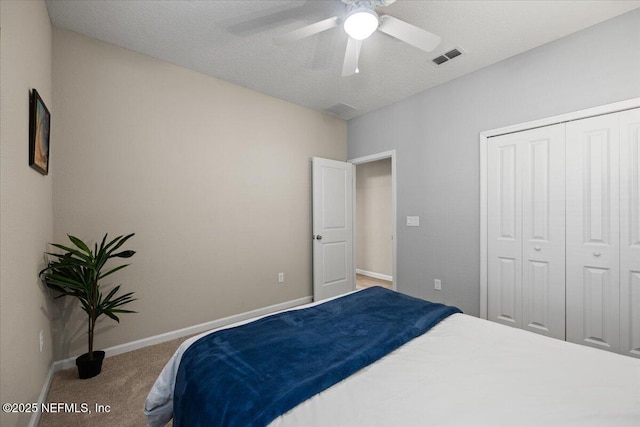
x=124, y=254
x=122, y=310
x=121, y=241
x=64, y=263
x=79, y=243
x=107, y=248
x=104, y=239
x=64, y=280
x=57, y=255
x=101, y=256
x=121, y=300
x=113, y=316
x=108, y=245
x=110, y=294
x=113, y=271
x=73, y=251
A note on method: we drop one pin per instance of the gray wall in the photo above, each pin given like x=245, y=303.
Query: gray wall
x=436, y=135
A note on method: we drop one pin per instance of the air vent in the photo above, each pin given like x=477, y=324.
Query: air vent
x=440, y=59
x=453, y=53
x=341, y=110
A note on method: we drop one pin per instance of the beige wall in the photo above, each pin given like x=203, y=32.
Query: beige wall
x=373, y=224
x=26, y=218
x=213, y=178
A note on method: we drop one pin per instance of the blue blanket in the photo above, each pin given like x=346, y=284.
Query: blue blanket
x=251, y=374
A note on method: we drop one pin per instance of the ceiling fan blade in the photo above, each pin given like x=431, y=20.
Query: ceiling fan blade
x=409, y=33
x=309, y=30
x=351, y=56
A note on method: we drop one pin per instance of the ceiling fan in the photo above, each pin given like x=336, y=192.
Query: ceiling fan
x=360, y=21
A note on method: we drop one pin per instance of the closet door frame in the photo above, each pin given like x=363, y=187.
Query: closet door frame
x=562, y=118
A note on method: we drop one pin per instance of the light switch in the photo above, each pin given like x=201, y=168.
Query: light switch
x=413, y=221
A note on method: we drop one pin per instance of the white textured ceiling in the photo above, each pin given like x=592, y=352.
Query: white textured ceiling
x=233, y=40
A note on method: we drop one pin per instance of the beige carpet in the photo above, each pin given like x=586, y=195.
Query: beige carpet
x=123, y=384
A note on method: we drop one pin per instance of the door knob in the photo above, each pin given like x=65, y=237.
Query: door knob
x=537, y=248
x=318, y=237
x=597, y=254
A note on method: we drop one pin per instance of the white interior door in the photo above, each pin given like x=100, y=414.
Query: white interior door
x=526, y=240
x=333, y=270
x=630, y=233
x=504, y=230
x=593, y=240
x=543, y=231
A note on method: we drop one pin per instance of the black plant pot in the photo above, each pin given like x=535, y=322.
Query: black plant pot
x=89, y=368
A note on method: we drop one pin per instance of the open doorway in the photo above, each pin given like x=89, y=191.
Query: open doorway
x=374, y=221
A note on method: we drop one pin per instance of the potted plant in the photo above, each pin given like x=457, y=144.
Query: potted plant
x=77, y=272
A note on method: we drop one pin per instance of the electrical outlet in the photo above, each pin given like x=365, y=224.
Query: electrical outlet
x=280, y=277
x=437, y=284
x=41, y=341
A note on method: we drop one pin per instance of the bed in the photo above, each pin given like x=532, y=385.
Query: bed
x=463, y=371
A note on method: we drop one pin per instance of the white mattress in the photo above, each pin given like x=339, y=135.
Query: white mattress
x=466, y=372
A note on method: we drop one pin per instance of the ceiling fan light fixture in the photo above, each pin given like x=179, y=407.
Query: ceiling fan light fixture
x=361, y=23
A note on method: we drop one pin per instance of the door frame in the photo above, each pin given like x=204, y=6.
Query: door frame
x=391, y=154
x=484, y=136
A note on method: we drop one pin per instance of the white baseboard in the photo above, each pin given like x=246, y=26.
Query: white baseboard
x=35, y=417
x=191, y=330
x=167, y=336
x=374, y=275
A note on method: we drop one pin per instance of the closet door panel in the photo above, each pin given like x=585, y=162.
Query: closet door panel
x=592, y=226
x=526, y=271
x=543, y=193
x=630, y=233
x=504, y=231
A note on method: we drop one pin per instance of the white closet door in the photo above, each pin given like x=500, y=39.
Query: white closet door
x=543, y=194
x=593, y=248
x=630, y=233
x=504, y=229
x=526, y=271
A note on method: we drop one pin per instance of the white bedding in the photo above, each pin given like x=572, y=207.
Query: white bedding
x=465, y=372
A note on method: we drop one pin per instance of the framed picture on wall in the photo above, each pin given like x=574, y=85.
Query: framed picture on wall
x=39, y=128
